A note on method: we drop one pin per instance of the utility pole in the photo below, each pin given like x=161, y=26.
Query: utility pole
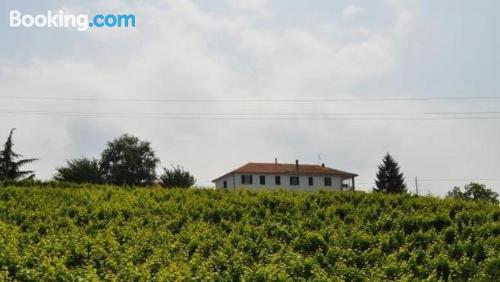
x=416, y=185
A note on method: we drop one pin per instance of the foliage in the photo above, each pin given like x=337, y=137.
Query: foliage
x=474, y=191
x=176, y=177
x=389, y=178
x=81, y=170
x=129, y=161
x=10, y=167
x=152, y=234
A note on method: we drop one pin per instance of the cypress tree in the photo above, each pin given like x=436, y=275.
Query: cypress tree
x=389, y=178
x=10, y=167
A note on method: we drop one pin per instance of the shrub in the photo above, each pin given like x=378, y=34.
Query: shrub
x=442, y=268
x=95, y=233
x=492, y=269
x=449, y=235
x=176, y=177
x=311, y=242
x=79, y=171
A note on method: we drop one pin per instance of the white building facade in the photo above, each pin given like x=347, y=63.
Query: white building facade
x=293, y=177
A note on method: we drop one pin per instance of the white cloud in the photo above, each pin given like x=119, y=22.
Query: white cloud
x=248, y=5
x=252, y=9
x=352, y=11
x=372, y=57
x=405, y=22
x=404, y=15
x=182, y=51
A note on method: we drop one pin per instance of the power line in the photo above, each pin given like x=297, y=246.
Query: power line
x=249, y=114
x=458, y=179
x=201, y=116
x=254, y=101
x=430, y=180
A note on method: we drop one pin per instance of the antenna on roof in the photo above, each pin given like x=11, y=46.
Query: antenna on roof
x=319, y=158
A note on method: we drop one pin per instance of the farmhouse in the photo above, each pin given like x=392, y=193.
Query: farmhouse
x=295, y=177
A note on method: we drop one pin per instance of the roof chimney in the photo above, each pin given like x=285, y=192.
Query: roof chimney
x=275, y=160
x=297, y=164
x=323, y=165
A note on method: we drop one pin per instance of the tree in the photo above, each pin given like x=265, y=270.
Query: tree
x=474, y=191
x=177, y=177
x=389, y=178
x=129, y=161
x=10, y=166
x=81, y=170
x=456, y=193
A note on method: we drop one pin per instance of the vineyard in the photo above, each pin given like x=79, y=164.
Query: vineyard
x=143, y=234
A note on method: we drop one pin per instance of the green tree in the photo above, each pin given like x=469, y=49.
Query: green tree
x=474, y=191
x=129, y=161
x=81, y=170
x=10, y=166
x=176, y=177
x=456, y=193
x=389, y=178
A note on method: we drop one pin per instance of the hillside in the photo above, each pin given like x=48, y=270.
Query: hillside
x=96, y=233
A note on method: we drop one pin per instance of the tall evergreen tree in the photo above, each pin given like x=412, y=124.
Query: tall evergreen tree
x=10, y=167
x=389, y=178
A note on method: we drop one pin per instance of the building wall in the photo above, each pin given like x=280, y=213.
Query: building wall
x=318, y=183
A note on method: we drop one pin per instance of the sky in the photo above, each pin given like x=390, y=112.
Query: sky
x=265, y=50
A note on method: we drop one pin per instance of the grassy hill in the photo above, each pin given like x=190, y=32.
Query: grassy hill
x=107, y=233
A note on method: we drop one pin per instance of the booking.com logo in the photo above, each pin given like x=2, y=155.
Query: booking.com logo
x=80, y=22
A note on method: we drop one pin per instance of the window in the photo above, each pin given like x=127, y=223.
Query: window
x=246, y=179
x=225, y=184
x=294, y=181
x=328, y=181
x=311, y=181
x=262, y=180
x=277, y=180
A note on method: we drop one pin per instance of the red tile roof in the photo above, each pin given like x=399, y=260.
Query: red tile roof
x=292, y=169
